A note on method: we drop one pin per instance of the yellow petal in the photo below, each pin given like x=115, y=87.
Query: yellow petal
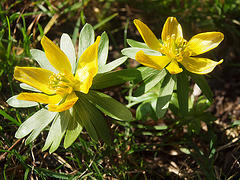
x=199, y=65
x=87, y=67
x=204, y=42
x=174, y=68
x=171, y=27
x=147, y=35
x=41, y=98
x=35, y=77
x=156, y=62
x=56, y=56
x=70, y=101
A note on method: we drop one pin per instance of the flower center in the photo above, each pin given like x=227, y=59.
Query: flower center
x=174, y=48
x=62, y=83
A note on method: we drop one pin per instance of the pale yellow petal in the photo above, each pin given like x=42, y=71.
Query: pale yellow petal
x=156, y=62
x=172, y=28
x=204, y=42
x=87, y=67
x=199, y=65
x=70, y=101
x=41, y=98
x=149, y=38
x=173, y=68
x=56, y=56
x=35, y=77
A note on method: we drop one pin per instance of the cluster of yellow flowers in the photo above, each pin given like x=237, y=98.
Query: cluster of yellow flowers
x=66, y=88
x=61, y=87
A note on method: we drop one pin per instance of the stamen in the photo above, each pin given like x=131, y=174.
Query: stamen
x=61, y=83
x=174, y=47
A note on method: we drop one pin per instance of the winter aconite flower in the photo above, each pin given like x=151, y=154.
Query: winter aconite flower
x=68, y=82
x=58, y=89
x=176, y=50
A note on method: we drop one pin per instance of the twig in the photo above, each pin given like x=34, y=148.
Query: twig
x=4, y=155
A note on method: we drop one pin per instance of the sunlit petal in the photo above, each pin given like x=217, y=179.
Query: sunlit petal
x=204, y=42
x=156, y=62
x=149, y=38
x=174, y=68
x=87, y=67
x=35, y=77
x=171, y=27
x=56, y=56
x=41, y=98
x=199, y=65
x=70, y=101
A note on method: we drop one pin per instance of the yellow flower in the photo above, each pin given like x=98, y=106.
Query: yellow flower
x=59, y=89
x=176, y=49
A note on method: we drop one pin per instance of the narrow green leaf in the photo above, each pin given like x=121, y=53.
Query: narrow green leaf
x=4, y=114
x=104, y=80
x=42, y=60
x=165, y=94
x=109, y=106
x=67, y=47
x=150, y=82
x=97, y=120
x=182, y=92
x=137, y=44
x=132, y=51
x=104, y=21
x=35, y=125
x=76, y=30
x=52, y=174
x=14, y=102
x=57, y=130
x=73, y=130
x=86, y=38
x=40, y=30
x=203, y=85
x=75, y=6
x=85, y=119
x=103, y=50
x=26, y=174
x=1, y=35
x=112, y=65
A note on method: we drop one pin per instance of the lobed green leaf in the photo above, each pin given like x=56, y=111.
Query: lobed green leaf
x=57, y=131
x=150, y=82
x=112, y=65
x=67, y=47
x=85, y=119
x=97, y=120
x=132, y=51
x=105, y=80
x=103, y=50
x=203, y=85
x=165, y=94
x=109, y=106
x=42, y=60
x=74, y=128
x=14, y=102
x=182, y=92
x=35, y=125
x=86, y=38
x=137, y=44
